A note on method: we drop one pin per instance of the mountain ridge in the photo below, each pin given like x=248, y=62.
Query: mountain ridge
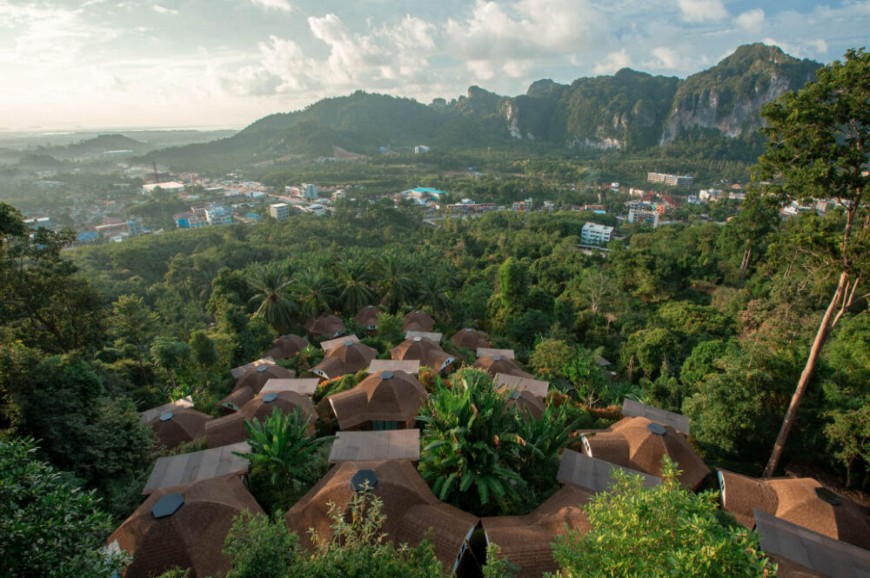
x=628, y=111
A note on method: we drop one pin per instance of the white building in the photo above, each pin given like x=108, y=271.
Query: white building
x=421, y=150
x=280, y=211
x=595, y=234
x=310, y=191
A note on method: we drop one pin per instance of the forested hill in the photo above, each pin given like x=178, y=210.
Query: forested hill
x=629, y=111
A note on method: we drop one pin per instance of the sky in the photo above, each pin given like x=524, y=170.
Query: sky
x=96, y=64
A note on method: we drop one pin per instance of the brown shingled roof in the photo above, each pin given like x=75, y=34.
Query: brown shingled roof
x=236, y=399
x=241, y=370
x=256, y=378
x=498, y=364
x=325, y=326
x=350, y=357
x=527, y=403
x=409, y=505
x=192, y=537
x=633, y=442
x=418, y=321
x=230, y=429
x=469, y=338
x=425, y=350
x=527, y=540
x=385, y=396
x=801, y=501
x=179, y=425
x=367, y=317
x=286, y=346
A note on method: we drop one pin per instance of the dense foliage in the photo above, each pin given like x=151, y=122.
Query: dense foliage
x=661, y=531
x=49, y=526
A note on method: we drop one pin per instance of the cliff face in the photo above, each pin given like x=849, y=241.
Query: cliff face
x=632, y=110
x=729, y=97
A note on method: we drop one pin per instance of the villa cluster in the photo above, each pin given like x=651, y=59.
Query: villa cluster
x=191, y=498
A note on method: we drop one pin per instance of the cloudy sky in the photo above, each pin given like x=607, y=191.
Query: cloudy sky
x=224, y=63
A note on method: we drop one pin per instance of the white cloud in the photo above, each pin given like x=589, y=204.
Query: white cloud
x=751, y=20
x=513, y=37
x=385, y=57
x=282, y=5
x=163, y=10
x=702, y=10
x=613, y=62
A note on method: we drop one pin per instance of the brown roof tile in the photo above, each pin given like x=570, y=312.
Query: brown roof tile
x=192, y=537
x=367, y=317
x=230, y=429
x=409, y=505
x=348, y=357
x=469, y=338
x=385, y=396
x=418, y=321
x=241, y=370
x=527, y=540
x=257, y=377
x=179, y=425
x=796, y=500
x=325, y=326
x=632, y=442
x=425, y=350
x=287, y=346
x=498, y=364
x=236, y=399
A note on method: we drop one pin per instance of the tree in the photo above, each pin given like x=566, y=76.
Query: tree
x=397, y=285
x=171, y=356
x=355, y=281
x=849, y=435
x=284, y=458
x=132, y=323
x=658, y=532
x=817, y=148
x=49, y=527
x=314, y=290
x=42, y=298
x=467, y=443
x=261, y=548
x=272, y=297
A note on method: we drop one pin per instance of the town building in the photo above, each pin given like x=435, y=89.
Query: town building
x=640, y=212
x=595, y=234
x=219, y=215
x=672, y=180
x=280, y=211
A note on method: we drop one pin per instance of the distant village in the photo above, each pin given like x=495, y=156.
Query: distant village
x=215, y=202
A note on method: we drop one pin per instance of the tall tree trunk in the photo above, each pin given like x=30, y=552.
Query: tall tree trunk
x=819, y=342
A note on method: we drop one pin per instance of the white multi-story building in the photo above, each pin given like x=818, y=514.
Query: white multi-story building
x=595, y=234
x=672, y=180
x=280, y=211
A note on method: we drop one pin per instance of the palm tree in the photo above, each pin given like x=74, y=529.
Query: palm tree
x=397, y=284
x=272, y=297
x=355, y=279
x=315, y=291
x=433, y=290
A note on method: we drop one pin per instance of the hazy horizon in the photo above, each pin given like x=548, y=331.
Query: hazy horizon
x=96, y=66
